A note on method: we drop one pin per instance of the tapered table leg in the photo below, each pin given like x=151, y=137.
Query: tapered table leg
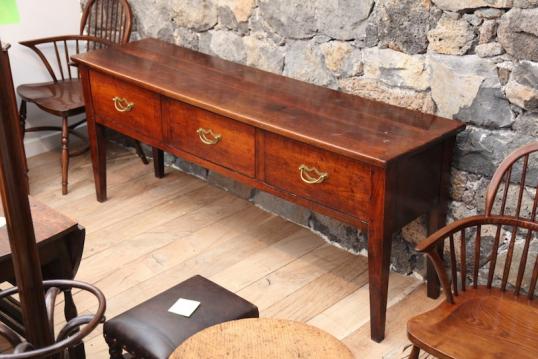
x=98, y=152
x=435, y=220
x=379, y=248
x=380, y=230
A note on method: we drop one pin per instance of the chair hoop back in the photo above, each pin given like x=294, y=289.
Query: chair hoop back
x=517, y=167
x=107, y=19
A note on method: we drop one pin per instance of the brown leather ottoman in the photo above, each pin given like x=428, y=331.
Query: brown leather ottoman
x=150, y=331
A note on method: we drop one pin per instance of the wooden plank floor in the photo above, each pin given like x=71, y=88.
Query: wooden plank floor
x=151, y=234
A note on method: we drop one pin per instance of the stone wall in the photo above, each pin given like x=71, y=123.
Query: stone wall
x=472, y=60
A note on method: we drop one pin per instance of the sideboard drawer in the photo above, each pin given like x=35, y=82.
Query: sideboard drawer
x=318, y=175
x=214, y=138
x=125, y=107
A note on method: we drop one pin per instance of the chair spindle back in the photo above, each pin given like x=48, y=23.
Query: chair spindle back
x=470, y=251
x=107, y=19
x=514, y=182
x=516, y=176
x=474, y=245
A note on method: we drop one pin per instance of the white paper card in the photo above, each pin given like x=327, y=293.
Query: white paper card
x=2, y=221
x=184, y=307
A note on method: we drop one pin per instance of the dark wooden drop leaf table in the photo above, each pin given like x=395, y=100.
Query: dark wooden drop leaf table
x=366, y=163
x=60, y=242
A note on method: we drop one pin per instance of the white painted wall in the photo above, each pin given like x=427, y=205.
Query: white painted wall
x=38, y=18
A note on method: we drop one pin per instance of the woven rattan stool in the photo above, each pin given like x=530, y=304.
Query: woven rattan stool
x=262, y=339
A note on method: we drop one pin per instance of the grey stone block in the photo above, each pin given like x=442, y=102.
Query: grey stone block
x=489, y=108
x=522, y=89
x=288, y=210
x=190, y=168
x=337, y=232
x=480, y=151
x=230, y=185
x=304, y=61
x=527, y=124
x=403, y=258
x=402, y=25
x=518, y=33
x=228, y=45
x=489, y=50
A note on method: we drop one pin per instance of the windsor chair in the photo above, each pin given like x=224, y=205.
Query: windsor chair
x=103, y=23
x=490, y=309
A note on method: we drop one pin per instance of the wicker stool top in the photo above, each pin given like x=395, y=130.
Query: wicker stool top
x=262, y=338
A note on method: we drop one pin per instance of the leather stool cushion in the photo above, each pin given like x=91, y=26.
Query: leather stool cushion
x=150, y=331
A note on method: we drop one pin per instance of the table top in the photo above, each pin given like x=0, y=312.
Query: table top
x=48, y=225
x=262, y=338
x=367, y=130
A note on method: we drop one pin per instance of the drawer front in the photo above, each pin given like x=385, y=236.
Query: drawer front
x=318, y=175
x=125, y=107
x=212, y=137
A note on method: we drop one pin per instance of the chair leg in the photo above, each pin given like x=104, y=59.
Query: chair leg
x=65, y=154
x=22, y=124
x=414, y=352
x=70, y=309
x=140, y=152
x=22, y=118
x=114, y=348
x=77, y=352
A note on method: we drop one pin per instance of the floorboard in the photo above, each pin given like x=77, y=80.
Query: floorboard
x=153, y=233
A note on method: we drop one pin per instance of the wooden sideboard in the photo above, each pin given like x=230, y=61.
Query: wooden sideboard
x=366, y=163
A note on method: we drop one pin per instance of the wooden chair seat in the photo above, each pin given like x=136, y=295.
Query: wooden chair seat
x=482, y=323
x=62, y=98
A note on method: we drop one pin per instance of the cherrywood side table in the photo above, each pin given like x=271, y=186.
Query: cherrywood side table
x=262, y=338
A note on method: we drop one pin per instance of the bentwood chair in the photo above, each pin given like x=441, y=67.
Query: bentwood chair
x=70, y=336
x=104, y=23
x=491, y=309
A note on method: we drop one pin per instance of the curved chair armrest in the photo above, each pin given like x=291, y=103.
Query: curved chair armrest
x=55, y=40
x=430, y=243
x=51, y=39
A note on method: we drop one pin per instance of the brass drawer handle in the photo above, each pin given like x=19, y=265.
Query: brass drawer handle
x=305, y=171
x=122, y=105
x=203, y=133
